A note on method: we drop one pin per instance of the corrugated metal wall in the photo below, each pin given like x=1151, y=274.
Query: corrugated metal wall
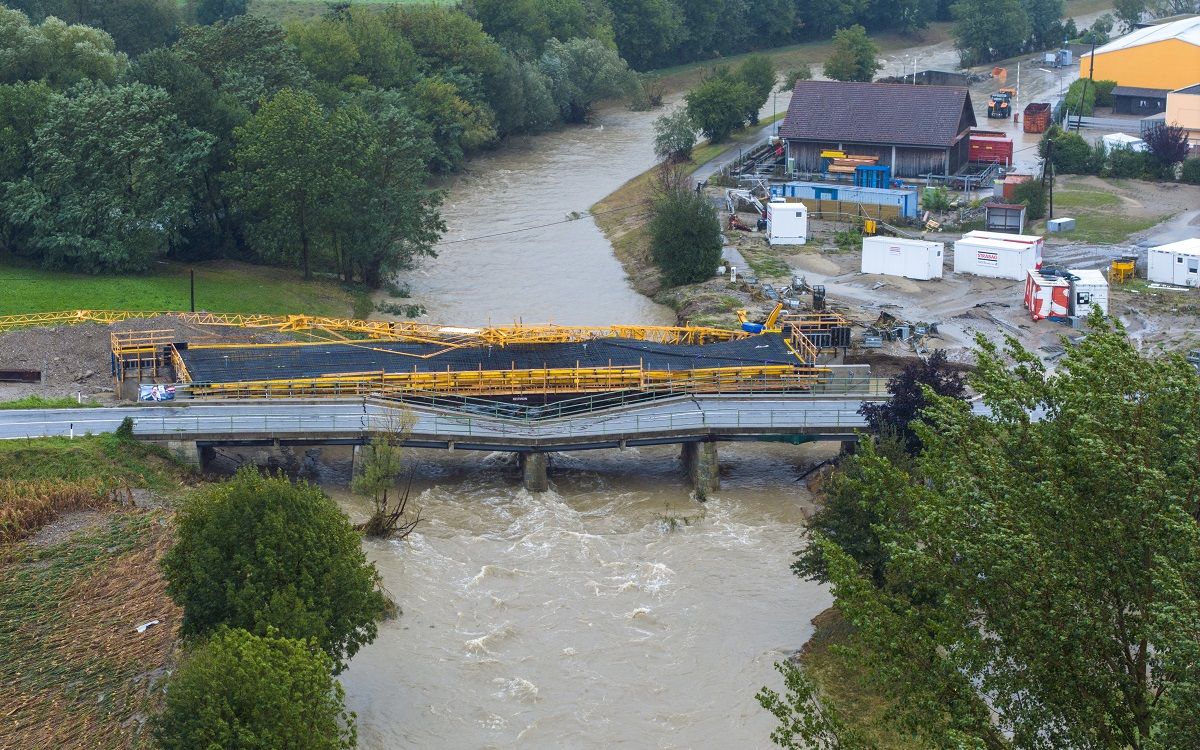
x=911, y=161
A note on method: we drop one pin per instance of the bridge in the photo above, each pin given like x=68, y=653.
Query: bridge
x=698, y=422
x=525, y=389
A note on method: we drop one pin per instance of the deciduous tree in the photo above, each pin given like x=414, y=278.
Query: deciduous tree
x=685, y=236
x=581, y=73
x=853, y=56
x=758, y=73
x=111, y=179
x=674, y=135
x=1053, y=565
x=238, y=690
x=986, y=30
x=260, y=553
x=1168, y=143
x=717, y=105
x=910, y=390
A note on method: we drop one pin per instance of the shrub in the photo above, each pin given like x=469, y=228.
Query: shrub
x=1071, y=153
x=1168, y=143
x=935, y=199
x=1130, y=164
x=674, y=136
x=802, y=72
x=247, y=691
x=125, y=429
x=258, y=552
x=1191, y=172
x=685, y=237
x=1033, y=194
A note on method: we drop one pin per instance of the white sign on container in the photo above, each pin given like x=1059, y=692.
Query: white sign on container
x=787, y=223
x=893, y=256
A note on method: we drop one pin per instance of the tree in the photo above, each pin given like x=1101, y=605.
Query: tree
x=287, y=176
x=524, y=26
x=1056, y=584
x=685, y=236
x=1081, y=97
x=800, y=73
x=258, y=552
x=381, y=466
x=911, y=389
x=717, y=106
x=246, y=56
x=1099, y=32
x=1044, y=17
x=238, y=690
x=212, y=11
x=24, y=107
x=804, y=723
x=1129, y=13
x=646, y=31
x=110, y=183
x=1032, y=193
x=135, y=25
x=674, y=136
x=581, y=73
x=385, y=216
x=56, y=53
x=1168, y=143
x=1071, y=153
x=986, y=30
x=853, y=56
x=758, y=73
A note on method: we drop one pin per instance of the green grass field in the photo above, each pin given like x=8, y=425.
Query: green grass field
x=220, y=287
x=1095, y=220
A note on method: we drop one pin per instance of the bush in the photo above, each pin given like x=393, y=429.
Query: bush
x=258, y=552
x=242, y=690
x=1130, y=164
x=125, y=429
x=935, y=199
x=1191, y=172
x=674, y=136
x=1168, y=143
x=1033, y=194
x=1071, y=154
x=685, y=237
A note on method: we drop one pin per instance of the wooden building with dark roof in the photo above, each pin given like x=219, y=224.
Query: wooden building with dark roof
x=916, y=130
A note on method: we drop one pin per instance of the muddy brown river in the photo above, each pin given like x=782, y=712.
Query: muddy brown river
x=578, y=618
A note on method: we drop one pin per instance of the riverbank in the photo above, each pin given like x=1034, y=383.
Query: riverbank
x=82, y=528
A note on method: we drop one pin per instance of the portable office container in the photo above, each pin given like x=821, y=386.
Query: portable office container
x=787, y=223
x=1177, y=263
x=997, y=258
x=1038, y=243
x=989, y=149
x=1089, y=289
x=893, y=256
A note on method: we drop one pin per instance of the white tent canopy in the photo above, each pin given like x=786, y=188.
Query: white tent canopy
x=1114, y=141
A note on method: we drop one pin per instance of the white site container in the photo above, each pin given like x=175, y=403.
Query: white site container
x=1039, y=243
x=1177, y=263
x=999, y=259
x=894, y=256
x=787, y=223
x=1089, y=289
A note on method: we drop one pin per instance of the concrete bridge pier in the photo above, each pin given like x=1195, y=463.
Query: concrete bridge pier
x=700, y=462
x=189, y=452
x=534, y=471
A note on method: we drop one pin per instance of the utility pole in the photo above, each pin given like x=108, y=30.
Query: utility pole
x=1083, y=93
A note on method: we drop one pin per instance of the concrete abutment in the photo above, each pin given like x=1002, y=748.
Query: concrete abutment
x=535, y=471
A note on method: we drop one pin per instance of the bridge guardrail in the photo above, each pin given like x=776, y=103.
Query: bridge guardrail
x=453, y=426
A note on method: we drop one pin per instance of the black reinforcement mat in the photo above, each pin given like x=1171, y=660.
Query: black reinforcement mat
x=230, y=364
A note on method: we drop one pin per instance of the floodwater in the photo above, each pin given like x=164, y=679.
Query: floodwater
x=578, y=618
x=563, y=273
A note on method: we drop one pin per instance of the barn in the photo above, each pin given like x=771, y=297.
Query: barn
x=1158, y=58
x=916, y=130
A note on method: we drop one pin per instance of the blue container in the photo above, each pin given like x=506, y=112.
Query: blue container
x=752, y=327
x=906, y=199
x=873, y=177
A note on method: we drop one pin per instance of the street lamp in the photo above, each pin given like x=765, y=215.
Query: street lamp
x=1057, y=73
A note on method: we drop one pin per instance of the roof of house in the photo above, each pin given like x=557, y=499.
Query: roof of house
x=1185, y=29
x=1140, y=91
x=891, y=113
x=1193, y=89
x=1183, y=247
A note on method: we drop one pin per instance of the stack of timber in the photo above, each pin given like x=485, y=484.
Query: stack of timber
x=850, y=162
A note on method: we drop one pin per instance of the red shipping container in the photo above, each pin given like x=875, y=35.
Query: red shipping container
x=991, y=149
x=1037, y=117
x=1047, y=296
x=1010, y=185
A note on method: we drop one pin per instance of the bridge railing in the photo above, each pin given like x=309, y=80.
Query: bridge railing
x=755, y=419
